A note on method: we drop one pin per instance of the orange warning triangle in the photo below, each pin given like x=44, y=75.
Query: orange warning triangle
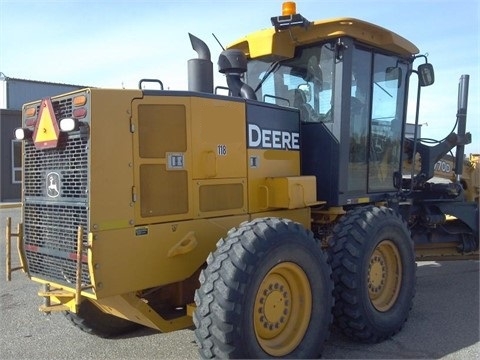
x=46, y=130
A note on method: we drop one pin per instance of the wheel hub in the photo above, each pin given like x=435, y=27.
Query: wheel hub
x=384, y=276
x=377, y=273
x=282, y=309
x=274, y=309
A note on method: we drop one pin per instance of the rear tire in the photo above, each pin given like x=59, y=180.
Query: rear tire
x=92, y=320
x=266, y=292
x=373, y=264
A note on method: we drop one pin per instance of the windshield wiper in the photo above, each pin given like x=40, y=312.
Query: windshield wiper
x=385, y=90
x=273, y=66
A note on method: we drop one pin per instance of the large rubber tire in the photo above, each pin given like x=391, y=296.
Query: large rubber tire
x=266, y=292
x=374, y=270
x=92, y=320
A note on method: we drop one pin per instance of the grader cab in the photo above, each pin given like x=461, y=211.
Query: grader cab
x=169, y=209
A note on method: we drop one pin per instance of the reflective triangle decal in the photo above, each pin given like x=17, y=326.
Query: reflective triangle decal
x=46, y=131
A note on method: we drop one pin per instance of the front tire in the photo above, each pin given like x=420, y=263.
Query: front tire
x=373, y=264
x=266, y=292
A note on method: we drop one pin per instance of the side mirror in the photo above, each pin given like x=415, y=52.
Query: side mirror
x=426, y=76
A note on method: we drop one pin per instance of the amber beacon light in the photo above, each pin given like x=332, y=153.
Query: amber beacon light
x=289, y=8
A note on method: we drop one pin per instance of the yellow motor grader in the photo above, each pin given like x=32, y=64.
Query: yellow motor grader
x=260, y=212
x=470, y=178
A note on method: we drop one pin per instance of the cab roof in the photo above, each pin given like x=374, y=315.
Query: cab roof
x=281, y=44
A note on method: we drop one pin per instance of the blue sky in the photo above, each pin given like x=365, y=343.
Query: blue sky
x=115, y=43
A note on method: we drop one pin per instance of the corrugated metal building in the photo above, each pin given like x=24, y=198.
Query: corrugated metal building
x=14, y=93
x=10, y=156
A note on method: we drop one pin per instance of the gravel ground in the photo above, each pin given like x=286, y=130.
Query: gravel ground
x=444, y=323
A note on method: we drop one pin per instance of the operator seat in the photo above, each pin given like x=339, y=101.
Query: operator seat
x=300, y=102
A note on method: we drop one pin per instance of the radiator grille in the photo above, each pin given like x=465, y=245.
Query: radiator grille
x=56, y=203
x=69, y=160
x=50, y=235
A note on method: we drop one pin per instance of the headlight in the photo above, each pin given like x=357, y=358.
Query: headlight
x=68, y=124
x=23, y=134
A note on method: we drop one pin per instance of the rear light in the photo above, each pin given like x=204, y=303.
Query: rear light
x=79, y=113
x=23, y=134
x=68, y=124
x=31, y=111
x=79, y=100
x=72, y=124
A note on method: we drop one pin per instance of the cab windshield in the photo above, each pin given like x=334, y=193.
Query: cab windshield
x=304, y=82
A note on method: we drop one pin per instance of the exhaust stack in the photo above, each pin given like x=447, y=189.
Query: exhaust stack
x=462, y=124
x=200, y=70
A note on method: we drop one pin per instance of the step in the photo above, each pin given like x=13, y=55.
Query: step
x=56, y=293
x=53, y=308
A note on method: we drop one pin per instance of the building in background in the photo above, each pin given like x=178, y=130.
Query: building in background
x=410, y=131
x=13, y=94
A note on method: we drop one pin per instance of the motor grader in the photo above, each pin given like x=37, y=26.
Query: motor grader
x=260, y=212
x=470, y=178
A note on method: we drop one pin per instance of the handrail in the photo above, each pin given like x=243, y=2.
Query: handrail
x=78, y=285
x=8, y=255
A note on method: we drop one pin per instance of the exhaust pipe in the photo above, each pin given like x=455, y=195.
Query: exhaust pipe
x=462, y=124
x=200, y=70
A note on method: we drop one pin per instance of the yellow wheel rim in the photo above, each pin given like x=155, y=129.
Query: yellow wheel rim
x=282, y=309
x=384, y=276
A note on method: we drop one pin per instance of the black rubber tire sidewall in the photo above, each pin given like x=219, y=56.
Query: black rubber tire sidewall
x=229, y=286
x=350, y=251
x=393, y=230
x=296, y=251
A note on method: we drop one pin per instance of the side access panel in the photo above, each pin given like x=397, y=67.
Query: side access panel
x=189, y=158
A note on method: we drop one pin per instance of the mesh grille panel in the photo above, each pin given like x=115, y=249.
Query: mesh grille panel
x=56, y=203
x=69, y=160
x=51, y=240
